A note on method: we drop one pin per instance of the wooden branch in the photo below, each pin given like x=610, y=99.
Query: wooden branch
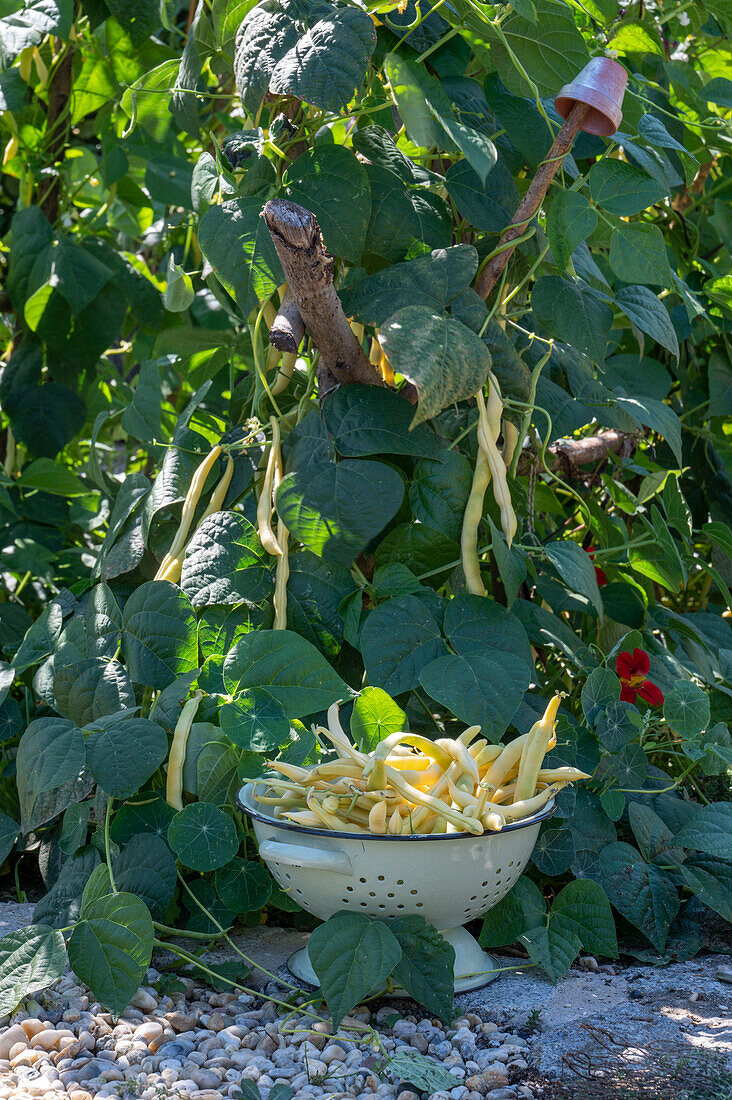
x=532, y=200
x=288, y=329
x=308, y=271
x=568, y=454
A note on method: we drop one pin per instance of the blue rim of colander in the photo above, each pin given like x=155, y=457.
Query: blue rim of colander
x=543, y=815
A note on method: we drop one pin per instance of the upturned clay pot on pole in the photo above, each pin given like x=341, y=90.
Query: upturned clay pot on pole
x=591, y=102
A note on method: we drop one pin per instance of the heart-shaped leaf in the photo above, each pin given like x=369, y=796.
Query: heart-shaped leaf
x=290, y=668
x=476, y=624
x=399, y=638
x=110, y=949
x=643, y=893
x=352, y=956
x=313, y=72
x=225, y=563
x=146, y=867
x=570, y=221
x=50, y=769
x=30, y=959
x=336, y=509
x=577, y=316
x=331, y=183
x=124, y=754
x=580, y=916
x=159, y=640
x=480, y=689
x=444, y=359
x=89, y=689
x=369, y=420
x=434, y=280
x=426, y=968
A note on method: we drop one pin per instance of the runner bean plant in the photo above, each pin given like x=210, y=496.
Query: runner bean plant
x=437, y=509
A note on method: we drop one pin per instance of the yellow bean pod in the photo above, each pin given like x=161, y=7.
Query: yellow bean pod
x=177, y=756
x=264, y=506
x=498, y=471
x=534, y=751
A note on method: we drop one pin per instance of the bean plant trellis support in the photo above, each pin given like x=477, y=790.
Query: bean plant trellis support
x=591, y=102
x=447, y=879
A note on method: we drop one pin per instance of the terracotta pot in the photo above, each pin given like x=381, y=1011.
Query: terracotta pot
x=601, y=85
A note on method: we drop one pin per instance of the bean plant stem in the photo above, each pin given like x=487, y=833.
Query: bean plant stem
x=526, y=418
x=107, y=844
x=225, y=935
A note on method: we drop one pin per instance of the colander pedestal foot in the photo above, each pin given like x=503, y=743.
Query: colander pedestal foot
x=474, y=967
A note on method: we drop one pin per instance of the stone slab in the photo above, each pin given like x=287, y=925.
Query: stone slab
x=14, y=915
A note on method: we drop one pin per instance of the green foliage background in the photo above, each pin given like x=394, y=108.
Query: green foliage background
x=140, y=145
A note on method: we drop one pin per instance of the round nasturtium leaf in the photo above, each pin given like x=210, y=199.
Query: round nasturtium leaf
x=255, y=721
x=243, y=885
x=203, y=837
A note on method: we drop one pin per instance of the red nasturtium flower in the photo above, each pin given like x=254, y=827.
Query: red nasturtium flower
x=632, y=668
x=599, y=573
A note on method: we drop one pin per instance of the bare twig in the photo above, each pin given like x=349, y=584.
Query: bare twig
x=288, y=329
x=568, y=454
x=532, y=200
x=308, y=271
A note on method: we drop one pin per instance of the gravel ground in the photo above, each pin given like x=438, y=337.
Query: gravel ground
x=603, y=1031
x=200, y=1045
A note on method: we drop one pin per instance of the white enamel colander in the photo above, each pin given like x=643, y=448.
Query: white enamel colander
x=447, y=878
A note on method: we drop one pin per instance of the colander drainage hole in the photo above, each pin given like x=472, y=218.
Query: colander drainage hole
x=372, y=893
x=362, y=880
x=484, y=883
x=420, y=905
x=390, y=895
x=414, y=891
x=287, y=876
x=350, y=889
x=364, y=904
x=499, y=870
x=474, y=897
x=400, y=906
x=510, y=863
x=400, y=882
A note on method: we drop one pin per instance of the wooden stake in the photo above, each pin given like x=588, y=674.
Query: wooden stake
x=532, y=200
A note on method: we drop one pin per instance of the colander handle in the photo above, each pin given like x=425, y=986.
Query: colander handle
x=298, y=855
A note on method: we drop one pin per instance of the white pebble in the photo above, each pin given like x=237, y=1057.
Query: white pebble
x=144, y=999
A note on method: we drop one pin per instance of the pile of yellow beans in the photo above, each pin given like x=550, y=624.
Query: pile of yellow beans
x=410, y=784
